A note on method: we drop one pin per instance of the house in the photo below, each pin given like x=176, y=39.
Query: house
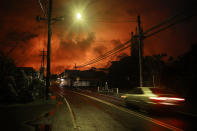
x=77, y=78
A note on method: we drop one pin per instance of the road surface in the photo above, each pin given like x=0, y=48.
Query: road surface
x=91, y=112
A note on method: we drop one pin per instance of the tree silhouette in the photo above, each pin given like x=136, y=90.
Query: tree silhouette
x=8, y=91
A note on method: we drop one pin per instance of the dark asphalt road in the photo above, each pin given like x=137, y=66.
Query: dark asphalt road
x=171, y=117
x=106, y=114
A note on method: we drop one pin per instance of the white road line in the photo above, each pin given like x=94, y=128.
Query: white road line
x=70, y=111
x=134, y=113
x=71, y=114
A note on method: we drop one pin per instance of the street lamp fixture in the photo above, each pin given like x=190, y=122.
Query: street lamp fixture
x=78, y=16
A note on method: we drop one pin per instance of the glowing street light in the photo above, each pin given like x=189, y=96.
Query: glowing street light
x=78, y=16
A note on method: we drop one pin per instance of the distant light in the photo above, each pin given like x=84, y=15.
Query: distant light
x=123, y=97
x=78, y=16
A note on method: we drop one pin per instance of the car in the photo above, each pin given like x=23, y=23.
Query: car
x=152, y=98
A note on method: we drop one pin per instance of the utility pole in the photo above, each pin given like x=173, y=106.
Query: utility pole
x=42, y=69
x=132, y=41
x=140, y=42
x=43, y=57
x=49, y=19
x=49, y=22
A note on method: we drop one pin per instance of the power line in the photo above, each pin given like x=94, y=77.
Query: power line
x=42, y=8
x=112, y=54
x=111, y=51
x=107, y=54
x=169, y=25
x=105, y=57
x=162, y=23
x=114, y=21
x=173, y=20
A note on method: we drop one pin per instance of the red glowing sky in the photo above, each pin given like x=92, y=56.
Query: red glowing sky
x=22, y=37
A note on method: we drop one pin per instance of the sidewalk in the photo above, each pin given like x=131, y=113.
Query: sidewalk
x=36, y=116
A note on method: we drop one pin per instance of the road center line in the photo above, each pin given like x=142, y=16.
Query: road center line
x=133, y=113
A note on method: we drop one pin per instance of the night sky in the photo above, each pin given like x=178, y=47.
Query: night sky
x=105, y=26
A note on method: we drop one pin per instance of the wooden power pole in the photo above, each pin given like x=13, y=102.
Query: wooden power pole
x=43, y=57
x=49, y=49
x=140, y=42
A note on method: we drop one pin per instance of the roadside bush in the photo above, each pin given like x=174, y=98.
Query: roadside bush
x=37, y=89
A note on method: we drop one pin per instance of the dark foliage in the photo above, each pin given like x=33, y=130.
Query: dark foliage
x=7, y=81
x=15, y=85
